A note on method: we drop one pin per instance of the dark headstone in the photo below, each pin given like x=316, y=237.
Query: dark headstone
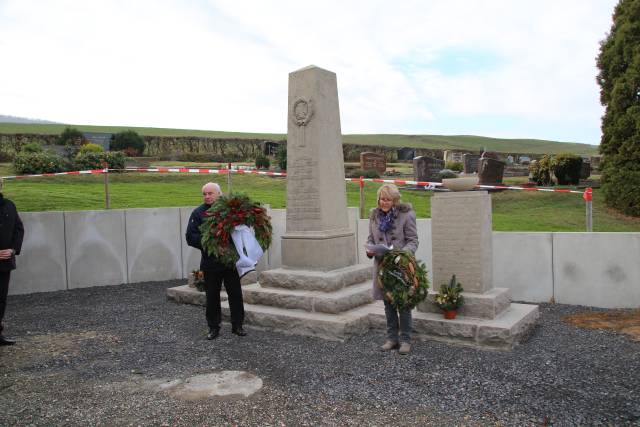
x=490, y=171
x=595, y=162
x=406, y=153
x=585, y=170
x=373, y=161
x=470, y=163
x=427, y=168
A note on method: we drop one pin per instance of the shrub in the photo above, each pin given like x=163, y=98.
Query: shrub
x=70, y=136
x=619, y=65
x=567, y=168
x=262, y=162
x=128, y=139
x=42, y=162
x=445, y=174
x=94, y=148
x=454, y=166
x=541, y=170
x=369, y=173
x=32, y=147
x=281, y=157
x=94, y=160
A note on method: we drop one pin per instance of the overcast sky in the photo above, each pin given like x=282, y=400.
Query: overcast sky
x=510, y=68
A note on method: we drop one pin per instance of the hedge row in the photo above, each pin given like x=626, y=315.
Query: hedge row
x=46, y=162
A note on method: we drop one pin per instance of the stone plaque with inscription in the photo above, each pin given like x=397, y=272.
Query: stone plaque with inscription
x=470, y=164
x=373, y=161
x=427, y=168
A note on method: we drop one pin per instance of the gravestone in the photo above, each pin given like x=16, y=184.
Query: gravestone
x=406, y=153
x=462, y=245
x=373, y=161
x=490, y=171
x=595, y=162
x=585, y=169
x=470, y=163
x=427, y=168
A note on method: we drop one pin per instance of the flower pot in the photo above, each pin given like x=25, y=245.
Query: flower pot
x=450, y=314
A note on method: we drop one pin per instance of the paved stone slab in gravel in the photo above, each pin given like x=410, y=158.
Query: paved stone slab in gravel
x=224, y=384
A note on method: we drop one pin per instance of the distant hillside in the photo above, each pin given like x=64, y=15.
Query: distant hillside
x=462, y=142
x=22, y=120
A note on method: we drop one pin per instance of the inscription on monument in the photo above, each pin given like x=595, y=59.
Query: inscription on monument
x=303, y=204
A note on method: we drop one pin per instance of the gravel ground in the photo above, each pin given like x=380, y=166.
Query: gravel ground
x=88, y=357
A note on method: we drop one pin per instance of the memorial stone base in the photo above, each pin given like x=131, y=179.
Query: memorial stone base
x=337, y=304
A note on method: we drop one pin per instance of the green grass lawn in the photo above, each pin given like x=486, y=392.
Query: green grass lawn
x=512, y=210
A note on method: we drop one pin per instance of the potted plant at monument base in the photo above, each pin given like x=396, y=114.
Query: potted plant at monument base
x=196, y=280
x=449, y=298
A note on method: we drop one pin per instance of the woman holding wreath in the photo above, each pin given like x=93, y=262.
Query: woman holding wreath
x=392, y=224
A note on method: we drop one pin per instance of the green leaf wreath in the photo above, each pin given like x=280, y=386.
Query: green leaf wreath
x=222, y=217
x=403, y=279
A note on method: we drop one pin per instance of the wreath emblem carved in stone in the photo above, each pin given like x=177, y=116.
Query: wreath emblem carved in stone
x=302, y=111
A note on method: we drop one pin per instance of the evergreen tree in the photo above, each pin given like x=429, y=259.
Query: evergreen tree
x=619, y=80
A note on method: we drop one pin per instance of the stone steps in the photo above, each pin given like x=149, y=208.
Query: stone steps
x=308, y=280
x=312, y=301
x=334, y=327
x=501, y=333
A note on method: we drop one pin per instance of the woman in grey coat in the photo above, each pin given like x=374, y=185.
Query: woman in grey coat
x=392, y=224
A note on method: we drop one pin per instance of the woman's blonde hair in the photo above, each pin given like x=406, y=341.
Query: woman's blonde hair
x=390, y=191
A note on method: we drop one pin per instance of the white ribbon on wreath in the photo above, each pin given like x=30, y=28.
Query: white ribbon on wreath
x=248, y=249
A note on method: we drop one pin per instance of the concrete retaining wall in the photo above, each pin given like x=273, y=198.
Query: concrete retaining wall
x=66, y=250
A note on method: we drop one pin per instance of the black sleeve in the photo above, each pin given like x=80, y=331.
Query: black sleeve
x=18, y=235
x=193, y=230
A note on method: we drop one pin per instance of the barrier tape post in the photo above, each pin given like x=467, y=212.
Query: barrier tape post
x=105, y=165
x=362, y=213
x=228, y=178
x=588, y=198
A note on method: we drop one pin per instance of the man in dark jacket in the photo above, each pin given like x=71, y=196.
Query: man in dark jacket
x=11, y=234
x=215, y=272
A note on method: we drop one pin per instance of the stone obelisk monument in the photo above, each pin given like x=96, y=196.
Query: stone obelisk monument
x=317, y=235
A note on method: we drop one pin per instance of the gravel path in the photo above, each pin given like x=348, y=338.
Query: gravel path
x=89, y=357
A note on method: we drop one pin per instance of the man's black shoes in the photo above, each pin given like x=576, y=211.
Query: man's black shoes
x=213, y=334
x=238, y=331
x=6, y=341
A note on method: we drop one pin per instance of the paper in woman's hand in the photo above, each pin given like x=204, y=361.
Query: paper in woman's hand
x=378, y=250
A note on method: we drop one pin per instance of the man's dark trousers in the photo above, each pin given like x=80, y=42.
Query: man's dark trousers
x=213, y=284
x=4, y=291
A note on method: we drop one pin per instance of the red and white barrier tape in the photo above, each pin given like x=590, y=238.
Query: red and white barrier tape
x=587, y=194
x=202, y=170
x=38, y=175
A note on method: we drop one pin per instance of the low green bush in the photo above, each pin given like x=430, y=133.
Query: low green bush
x=41, y=162
x=446, y=174
x=281, y=157
x=262, y=162
x=95, y=160
x=71, y=137
x=567, y=168
x=128, y=141
x=454, y=166
x=94, y=148
x=369, y=173
x=32, y=147
x=541, y=171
